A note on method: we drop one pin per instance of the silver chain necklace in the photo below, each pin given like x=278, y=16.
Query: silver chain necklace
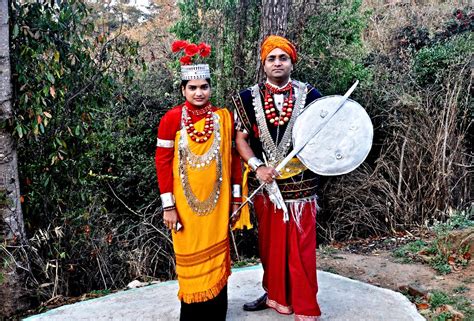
x=277, y=153
x=197, y=163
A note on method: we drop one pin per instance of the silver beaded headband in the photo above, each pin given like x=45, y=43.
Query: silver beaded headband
x=191, y=72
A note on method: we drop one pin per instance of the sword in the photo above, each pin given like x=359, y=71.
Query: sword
x=298, y=148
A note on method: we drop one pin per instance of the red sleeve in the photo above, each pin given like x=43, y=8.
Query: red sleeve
x=236, y=171
x=169, y=125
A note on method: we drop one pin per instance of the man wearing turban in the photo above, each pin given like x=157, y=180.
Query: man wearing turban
x=266, y=113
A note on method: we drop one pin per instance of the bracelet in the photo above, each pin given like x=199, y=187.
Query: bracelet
x=169, y=208
x=167, y=200
x=236, y=191
x=254, y=163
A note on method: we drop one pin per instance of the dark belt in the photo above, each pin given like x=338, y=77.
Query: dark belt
x=291, y=188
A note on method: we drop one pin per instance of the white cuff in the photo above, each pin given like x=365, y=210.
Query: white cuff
x=255, y=163
x=236, y=191
x=167, y=200
x=164, y=143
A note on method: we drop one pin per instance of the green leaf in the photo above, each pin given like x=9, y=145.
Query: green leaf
x=50, y=77
x=15, y=31
x=19, y=130
x=46, y=181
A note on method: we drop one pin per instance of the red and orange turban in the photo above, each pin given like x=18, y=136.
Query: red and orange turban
x=272, y=42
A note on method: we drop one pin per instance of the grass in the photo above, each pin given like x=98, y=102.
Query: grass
x=459, y=303
x=445, y=316
x=439, y=298
x=327, y=249
x=440, y=264
x=406, y=253
x=246, y=262
x=412, y=247
x=457, y=221
x=331, y=270
x=95, y=293
x=444, y=307
x=440, y=259
x=461, y=289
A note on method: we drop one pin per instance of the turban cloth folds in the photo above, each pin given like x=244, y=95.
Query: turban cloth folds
x=272, y=42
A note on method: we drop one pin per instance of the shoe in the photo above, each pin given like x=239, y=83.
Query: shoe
x=257, y=305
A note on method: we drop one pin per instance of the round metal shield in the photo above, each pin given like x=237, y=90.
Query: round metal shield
x=343, y=139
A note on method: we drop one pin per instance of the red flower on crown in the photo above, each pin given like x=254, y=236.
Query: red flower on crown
x=190, y=50
x=186, y=60
x=179, y=45
x=204, y=49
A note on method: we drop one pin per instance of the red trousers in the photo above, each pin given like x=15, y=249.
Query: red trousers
x=288, y=255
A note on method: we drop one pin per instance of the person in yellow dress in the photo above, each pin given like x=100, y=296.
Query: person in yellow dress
x=199, y=177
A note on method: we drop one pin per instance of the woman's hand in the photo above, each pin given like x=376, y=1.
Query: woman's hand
x=235, y=218
x=266, y=174
x=170, y=218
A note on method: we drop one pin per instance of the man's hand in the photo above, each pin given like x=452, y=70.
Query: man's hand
x=170, y=218
x=266, y=174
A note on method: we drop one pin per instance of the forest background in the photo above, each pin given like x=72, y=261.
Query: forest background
x=91, y=80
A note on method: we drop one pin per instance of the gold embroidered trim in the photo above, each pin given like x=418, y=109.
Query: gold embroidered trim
x=207, y=294
x=289, y=183
x=203, y=255
x=299, y=317
x=280, y=308
x=202, y=274
x=241, y=112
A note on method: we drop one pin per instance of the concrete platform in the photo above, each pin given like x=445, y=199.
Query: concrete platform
x=340, y=299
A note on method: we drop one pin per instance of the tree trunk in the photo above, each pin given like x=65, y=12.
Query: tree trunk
x=274, y=21
x=12, y=293
x=301, y=11
x=239, y=57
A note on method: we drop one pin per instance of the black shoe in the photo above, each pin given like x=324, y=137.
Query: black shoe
x=257, y=305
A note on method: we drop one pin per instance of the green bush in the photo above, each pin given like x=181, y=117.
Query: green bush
x=439, y=298
x=433, y=64
x=86, y=150
x=332, y=49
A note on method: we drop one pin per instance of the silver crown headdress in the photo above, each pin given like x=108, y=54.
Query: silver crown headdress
x=191, y=72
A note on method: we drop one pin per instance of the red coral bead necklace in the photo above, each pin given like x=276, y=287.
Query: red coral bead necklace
x=271, y=113
x=193, y=133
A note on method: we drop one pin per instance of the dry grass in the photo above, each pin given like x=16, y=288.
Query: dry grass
x=421, y=165
x=422, y=172
x=390, y=16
